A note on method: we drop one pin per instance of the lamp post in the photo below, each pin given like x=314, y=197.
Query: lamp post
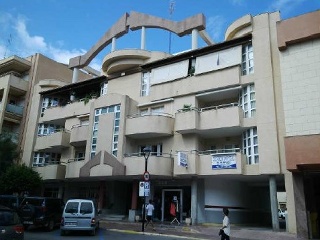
x=146, y=153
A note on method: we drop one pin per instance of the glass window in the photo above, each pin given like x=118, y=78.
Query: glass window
x=250, y=146
x=247, y=101
x=247, y=59
x=104, y=88
x=145, y=84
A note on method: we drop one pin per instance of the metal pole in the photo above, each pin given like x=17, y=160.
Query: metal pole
x=146, y=156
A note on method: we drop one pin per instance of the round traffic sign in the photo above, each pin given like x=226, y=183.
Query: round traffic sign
x=146, y=176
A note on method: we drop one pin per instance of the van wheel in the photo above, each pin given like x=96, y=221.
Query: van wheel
x=93, y=232
x=50, y=225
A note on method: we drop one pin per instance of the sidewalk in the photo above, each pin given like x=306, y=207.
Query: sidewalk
x=196, y=231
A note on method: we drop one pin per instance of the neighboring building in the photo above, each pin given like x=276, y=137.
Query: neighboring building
x=17, y=79
x=210, y=116
x=299, y=45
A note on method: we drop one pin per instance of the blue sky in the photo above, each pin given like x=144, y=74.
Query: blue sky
x=62, y=29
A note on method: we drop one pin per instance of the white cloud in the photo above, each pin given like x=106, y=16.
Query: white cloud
x=237, y=2
x=215, y=27
x=21, y=43
x=284, y=6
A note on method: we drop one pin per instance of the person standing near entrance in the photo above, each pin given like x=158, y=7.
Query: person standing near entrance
x=150, y=209
x=225, y=230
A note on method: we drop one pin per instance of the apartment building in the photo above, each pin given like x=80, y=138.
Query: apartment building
x=212, y=118
x=299, y=45
x=17, y=79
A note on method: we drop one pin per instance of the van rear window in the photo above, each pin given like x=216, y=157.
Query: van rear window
x=86, y=207
x=72, y=207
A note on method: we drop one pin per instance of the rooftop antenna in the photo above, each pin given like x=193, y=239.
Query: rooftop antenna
x=171, y=10
x=9, y=40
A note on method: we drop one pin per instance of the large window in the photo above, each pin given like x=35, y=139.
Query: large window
x=250, y=145
x=47, y=129
x=248, y=101
x=41, y=159
x=247, y=59
x=116, y=126
x=156, y=150
x=145, y=84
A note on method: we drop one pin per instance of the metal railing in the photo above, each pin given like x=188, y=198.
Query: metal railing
x=155, y=154
x=136, y=115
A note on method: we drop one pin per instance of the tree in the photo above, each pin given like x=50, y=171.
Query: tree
x=19, y=179
x=8, y=152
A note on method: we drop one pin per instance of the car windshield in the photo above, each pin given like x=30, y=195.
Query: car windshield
x=86, y=207
x=72, y=207
x=8, y=218
x=33, y=201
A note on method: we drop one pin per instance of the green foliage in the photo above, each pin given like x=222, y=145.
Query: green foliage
x=19, y=178
x=8, y=152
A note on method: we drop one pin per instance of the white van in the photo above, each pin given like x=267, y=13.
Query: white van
x=79, y=215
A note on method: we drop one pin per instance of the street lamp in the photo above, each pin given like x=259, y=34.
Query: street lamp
x=146, y=153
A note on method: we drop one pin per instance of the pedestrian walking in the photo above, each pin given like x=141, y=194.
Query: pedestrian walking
x=150, y=209
x=225, y=230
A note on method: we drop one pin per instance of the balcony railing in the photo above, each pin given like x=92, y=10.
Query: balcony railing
x=53, y=170
x=15, y=109
x=159, y=164
x=158, y=125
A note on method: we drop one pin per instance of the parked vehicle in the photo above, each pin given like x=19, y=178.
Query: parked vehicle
x=80, y=214
x=282, y=213
x=10, y=201
x=10, y=224
x=41, y=212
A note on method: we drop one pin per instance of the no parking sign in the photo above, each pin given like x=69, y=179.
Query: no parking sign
x=144, y=189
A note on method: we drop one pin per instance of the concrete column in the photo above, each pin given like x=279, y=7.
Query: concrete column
x=113, y=44
x=194, y=201
x=60, y=193
x=143, y=38
x=134, y=196
x=75, y=76
x=274, y=202
x=194, y=39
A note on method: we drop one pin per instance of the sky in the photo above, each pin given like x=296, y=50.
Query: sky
x=62, y=29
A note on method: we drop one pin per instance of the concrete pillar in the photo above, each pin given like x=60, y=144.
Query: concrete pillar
x=134, y=196
x=300, y=206
x=75, y=76
x=60, y=193
x=113, y=44
x=274, y=202
x=194, y=201
x=143, y=38
x=194, y=39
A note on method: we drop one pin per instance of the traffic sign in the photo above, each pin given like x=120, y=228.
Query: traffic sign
x=146, y=176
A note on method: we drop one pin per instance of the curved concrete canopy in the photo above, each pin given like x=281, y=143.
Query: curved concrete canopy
x=136, y=21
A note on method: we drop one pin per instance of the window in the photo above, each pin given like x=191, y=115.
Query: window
x=41, y=159
x=144, y=112
x=192, y=66
x=157, y=110
x=79, y=156
x=145, y=84
x=248, y=101
x=247, y=59
x=47, y=129
x=250, y=145
x=156, y=150
x=104, y=88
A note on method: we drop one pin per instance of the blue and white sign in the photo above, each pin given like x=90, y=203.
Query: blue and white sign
x=182, y=159
x=144, y=189
x=224, y=161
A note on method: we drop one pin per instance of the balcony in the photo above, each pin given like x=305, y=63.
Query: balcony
x=60, y=113
x=79, y=135
x=149, y=125
x=222, y=163
x=157, y=165
x=53, y=142
x=14, y=109
x=73, y=167
x=209, y=120
x=51, y=171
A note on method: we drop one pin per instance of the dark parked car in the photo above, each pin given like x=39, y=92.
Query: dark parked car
x=10, y=201
x=41, y=212
x=10, y=225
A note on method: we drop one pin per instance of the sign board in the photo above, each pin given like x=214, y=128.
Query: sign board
x=182, y=159
x=224, y=161
x=144, y=189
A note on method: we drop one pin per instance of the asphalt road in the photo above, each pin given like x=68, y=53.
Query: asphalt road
x=102, y=234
